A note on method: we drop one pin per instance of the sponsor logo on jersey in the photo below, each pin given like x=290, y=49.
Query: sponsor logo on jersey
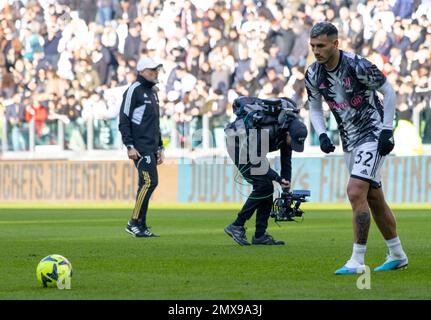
x=336, y=105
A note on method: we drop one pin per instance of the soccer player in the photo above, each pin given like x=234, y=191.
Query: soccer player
x=289, y=135
x=140, y=131
x=349, y=85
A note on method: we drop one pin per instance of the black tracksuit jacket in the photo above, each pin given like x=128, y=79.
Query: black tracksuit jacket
x=139, y=117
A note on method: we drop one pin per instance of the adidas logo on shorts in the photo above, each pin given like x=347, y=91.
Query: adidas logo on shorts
x=364, y=172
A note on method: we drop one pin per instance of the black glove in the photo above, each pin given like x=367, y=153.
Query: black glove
x=386, y=142
x=326, y=144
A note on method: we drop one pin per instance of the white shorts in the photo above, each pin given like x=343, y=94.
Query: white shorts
x=365, y=163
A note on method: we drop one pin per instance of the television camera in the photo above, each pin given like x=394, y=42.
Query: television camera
x=286, y=206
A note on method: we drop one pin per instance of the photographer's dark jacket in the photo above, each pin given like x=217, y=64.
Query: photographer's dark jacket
x=285, y=161
x=139, y=117
x=276, y=142
x=279, y=143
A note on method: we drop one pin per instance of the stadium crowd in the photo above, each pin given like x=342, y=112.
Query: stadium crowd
x=71, y=60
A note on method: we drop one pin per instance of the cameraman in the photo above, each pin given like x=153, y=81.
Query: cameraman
x=286, y=135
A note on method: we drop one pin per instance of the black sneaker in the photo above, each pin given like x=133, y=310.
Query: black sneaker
x=238, y=234
x=266, y=239
x=148, y=234
x=136, y=230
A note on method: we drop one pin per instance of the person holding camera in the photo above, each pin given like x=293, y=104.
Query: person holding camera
x=249, y=139
x=140, y=131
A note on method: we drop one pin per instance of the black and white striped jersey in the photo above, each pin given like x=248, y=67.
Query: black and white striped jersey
x=350, y=92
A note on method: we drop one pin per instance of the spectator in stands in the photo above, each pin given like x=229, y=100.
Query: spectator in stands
x=105, y=11
x=87, y=10
x=98, y=43
x=14, y=115
x=403, y=8
x=275, y=79
x=132, y=45
x=50, y=47
x=38, y=113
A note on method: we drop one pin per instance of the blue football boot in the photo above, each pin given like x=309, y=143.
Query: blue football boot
x=393, y=263
x=351, y=267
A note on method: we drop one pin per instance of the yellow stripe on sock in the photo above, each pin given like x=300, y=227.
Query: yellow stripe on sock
x=142, y=195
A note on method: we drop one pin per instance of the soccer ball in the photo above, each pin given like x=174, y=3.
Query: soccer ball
x=53, y=268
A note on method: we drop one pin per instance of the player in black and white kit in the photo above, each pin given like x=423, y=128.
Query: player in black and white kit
x=349, y=85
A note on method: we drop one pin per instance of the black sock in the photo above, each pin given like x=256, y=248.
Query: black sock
x=259, y=234
x=237, y=224
x=142, y=224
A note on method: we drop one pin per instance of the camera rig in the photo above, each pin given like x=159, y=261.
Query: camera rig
x=286, y=206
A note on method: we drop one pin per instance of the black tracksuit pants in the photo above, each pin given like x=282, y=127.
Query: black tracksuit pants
x=260, y=200
x=148, y=180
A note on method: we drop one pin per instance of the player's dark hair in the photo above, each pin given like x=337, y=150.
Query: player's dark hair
x=324, y=27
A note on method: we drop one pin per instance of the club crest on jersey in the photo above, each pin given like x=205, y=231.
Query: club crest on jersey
x=356, y=101
x=347, y=82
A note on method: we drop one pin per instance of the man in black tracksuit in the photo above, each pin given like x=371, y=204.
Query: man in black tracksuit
x=291, y=137
x=140, y=131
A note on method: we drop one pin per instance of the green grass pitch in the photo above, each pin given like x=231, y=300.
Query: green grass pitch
x=194, y=259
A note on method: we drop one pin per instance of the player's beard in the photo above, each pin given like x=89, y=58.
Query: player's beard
x=325, y=61
x=321, y=60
